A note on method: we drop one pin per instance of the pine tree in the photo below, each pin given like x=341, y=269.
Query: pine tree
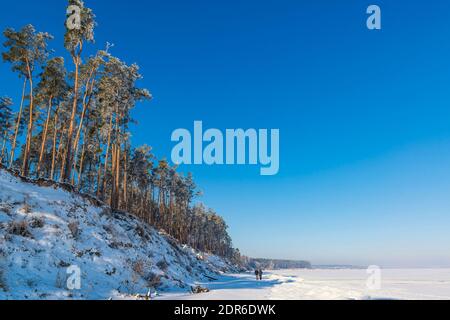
x=26, y=51
x=117, y=96
x=51, y=90
x=88, y=77
x=17, y=43
x=74, y=41
x=6, y=124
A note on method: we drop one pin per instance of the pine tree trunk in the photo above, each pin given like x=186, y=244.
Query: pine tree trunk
x=26, y=155
x=44, y=136
x=105, y=170
x=117, y=178
x=5, y=135
x=60, y=152
x=80, y=171
x=90, y=176
x=16, y=131
x=55, y=134
x=99, y=174
x=66, y=167
x=113, y=170
x=89, y=90
x=125, y=181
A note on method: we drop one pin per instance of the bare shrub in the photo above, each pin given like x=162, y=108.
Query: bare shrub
x=19, y=228
x=199, y=289
x=37, y=223
x=139, y=267
x=109, y=229
x=163, y=265
x=174, y=244
x=141, y=232
x=3, y=286
x=111, y=272
x=5, y=208
x=26, y=206
x=74, y=228
x=153, y=280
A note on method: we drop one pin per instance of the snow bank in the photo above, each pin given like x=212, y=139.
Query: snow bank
x=46, y=232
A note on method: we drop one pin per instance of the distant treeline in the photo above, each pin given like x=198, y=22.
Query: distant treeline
x=274, y=264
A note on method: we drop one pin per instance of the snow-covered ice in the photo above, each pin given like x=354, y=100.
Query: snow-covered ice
x=330, y=284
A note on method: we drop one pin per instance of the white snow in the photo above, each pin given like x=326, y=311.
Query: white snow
x=345, y=284
x=118, y=256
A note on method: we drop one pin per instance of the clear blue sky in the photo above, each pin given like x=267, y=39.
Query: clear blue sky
x=364, y=115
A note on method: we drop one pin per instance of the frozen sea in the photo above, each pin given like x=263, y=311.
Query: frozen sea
x=329, y=284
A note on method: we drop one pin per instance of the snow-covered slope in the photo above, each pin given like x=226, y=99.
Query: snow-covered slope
x=48, y=234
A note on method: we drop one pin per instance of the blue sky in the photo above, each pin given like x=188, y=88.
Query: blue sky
x=364, y=116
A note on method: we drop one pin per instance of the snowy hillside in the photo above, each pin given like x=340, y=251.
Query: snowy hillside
x=46, y=232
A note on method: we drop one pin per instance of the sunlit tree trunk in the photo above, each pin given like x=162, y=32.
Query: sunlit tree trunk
x=26, y=155
x=55, y=135
x=44, y=136
x=113, y=168
x=117, y=178
x=16, y=131
x=60, y=152
x=80, y=171
x=125, y=181
x=108, y=147
x=66, y=167
x=86, y=102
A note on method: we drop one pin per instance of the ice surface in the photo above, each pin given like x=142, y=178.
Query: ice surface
x=344, y=284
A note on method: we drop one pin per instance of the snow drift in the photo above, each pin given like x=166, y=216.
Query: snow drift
x=46, y=231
